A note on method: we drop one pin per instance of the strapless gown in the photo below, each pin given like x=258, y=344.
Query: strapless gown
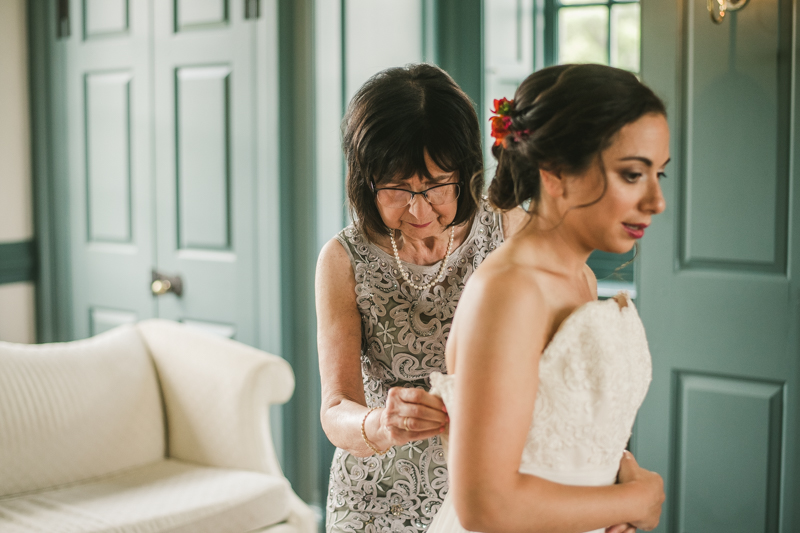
x=593, y=377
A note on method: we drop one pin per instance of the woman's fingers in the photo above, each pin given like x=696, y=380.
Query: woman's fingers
x=421, y=413
x=417, y=396
x=415, y=408
x=399, y=435
x=412, y=414
x=415, y=424
x=413, y=419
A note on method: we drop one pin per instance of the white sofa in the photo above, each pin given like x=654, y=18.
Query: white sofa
x=148, y=428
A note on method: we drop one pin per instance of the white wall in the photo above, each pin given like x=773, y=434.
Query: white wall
x=16, y=209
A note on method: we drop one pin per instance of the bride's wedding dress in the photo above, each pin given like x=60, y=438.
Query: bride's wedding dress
x=593, y=376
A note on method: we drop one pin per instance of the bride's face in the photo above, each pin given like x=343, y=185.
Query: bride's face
x=634, y=164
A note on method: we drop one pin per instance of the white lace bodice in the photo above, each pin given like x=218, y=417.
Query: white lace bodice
x=593, y=376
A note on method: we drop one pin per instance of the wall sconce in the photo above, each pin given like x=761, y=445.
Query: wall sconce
x=718, y=8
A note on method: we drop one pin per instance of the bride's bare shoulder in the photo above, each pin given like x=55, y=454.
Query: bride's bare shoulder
x=502, y=312
x=503, y=279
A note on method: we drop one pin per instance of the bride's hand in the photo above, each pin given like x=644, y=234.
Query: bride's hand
x=651, y=486
x=412, y=414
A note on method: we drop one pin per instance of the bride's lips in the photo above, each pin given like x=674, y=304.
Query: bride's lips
x=635, y=230
x=420, y=225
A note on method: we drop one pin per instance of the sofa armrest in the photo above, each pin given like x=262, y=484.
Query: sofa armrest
x=216, y=396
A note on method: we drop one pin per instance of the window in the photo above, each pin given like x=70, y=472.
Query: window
x=593, y=31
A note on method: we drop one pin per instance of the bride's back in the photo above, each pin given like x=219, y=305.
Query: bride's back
x=545, y=379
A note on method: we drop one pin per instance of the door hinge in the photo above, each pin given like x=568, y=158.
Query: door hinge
x=62, y=22
x=252, y=9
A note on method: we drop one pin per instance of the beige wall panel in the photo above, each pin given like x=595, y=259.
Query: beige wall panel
x=16, y=220
x=17, y=308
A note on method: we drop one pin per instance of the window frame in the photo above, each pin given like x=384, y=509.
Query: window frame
x=551, y=10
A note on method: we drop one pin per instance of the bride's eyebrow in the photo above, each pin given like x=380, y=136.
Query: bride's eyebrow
x=644, y=160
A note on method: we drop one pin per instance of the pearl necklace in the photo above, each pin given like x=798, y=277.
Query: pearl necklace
x=438, y=276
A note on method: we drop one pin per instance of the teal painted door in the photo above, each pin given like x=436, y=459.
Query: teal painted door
x=718, y=277
x=106, y=110
x=160, y=125
x=204, y=81
x=162, y=118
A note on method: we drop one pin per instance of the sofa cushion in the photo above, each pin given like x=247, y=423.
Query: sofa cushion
x=77, y=410
x=167, y=495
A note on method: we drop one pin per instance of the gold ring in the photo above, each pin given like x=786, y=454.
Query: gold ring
x=405, y=423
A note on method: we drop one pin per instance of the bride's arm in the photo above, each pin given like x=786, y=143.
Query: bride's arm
x=502, y=325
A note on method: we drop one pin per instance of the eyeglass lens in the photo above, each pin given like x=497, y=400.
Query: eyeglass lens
x=440, y=195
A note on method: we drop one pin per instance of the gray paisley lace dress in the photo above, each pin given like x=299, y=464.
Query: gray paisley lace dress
x=403, y=336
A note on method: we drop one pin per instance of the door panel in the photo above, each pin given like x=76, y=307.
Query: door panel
x=221, y=330
x=103, y=319
x=107, y=87
x=103, y=18
x=205, y=174
x=732, y=139
x=718, y=291
x=725, y=421
x=108, y=144
x=203, y=183
x=200, y=12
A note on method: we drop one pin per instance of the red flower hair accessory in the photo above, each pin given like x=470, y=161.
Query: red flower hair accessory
x=501, y=121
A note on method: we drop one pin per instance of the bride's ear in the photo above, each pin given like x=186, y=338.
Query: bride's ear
x=552, y=183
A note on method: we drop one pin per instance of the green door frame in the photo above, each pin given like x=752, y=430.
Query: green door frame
x=53, y=298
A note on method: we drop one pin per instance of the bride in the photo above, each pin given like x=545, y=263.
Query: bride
x=545, y=379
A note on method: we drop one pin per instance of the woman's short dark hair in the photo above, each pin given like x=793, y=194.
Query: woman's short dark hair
x=392, y=121
x=567, y=114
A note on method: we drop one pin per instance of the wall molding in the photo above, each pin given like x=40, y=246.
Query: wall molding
x=17, y=261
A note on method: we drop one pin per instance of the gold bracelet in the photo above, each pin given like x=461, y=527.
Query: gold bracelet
x=364, y=435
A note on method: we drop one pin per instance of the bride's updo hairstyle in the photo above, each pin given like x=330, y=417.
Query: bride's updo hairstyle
x=563, y=117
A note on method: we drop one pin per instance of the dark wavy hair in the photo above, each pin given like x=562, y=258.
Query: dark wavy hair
x=571, y=114
x=397, y=116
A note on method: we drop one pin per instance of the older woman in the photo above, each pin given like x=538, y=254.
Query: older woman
x=387, y=287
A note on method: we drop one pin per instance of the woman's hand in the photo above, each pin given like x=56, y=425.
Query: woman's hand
x=651, y=487
x=409, y=415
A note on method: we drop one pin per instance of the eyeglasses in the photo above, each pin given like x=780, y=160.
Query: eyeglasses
x=437, y=195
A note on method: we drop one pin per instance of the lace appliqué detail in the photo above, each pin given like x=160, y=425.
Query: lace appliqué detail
x=593, y=378
x=404, y=332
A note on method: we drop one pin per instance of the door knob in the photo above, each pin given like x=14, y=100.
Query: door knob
x=162, y=284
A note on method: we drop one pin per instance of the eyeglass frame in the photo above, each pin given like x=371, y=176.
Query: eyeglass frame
x=415, y=193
